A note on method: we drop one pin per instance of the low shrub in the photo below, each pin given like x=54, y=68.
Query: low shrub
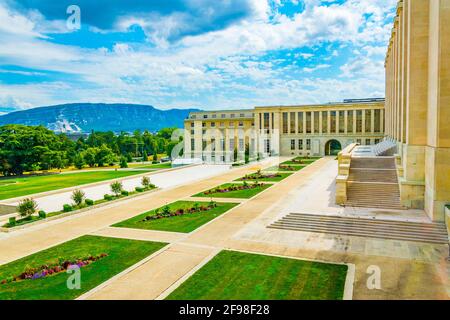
x=139, y=189
x=107, y=197
x=89, y=202
x=125, y=193
x=42, y=214
x=12, y=221
x=67, y=208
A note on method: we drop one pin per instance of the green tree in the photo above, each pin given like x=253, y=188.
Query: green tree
x=78, y=197
x=79, y=161
x=27, y=207
x=145, y=156
x=116, y=188
x=145, y=182
x=123, y=162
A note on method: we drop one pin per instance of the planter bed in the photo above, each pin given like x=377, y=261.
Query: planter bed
x=284, y=168
x=267, y=177
x=180, y=216
x=241, y=192
x=99, y=259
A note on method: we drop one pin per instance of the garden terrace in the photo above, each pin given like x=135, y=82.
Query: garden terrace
x=242, y=276
x=116, y=256
x=180, y=216
x=237, y=191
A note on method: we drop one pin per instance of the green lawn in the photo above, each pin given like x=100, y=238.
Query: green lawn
x=35, y=184
x=242, y=276
x=157, y=166
x=238, y=194
x=122, y=253
x=186, y=223
x=281, y=177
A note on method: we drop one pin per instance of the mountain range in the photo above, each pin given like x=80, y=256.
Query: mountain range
x=85, y=117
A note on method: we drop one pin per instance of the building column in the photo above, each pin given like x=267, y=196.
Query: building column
x=437, y=158
x=412, y=184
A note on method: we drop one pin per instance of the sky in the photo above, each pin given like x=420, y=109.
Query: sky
x=206, y=54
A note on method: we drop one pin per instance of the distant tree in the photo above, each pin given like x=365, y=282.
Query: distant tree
x=155, y=156
x=89, y=156
x=123, y=162
x=78, y=161
x=144, y=156
x=27, y=207
x=78, y=197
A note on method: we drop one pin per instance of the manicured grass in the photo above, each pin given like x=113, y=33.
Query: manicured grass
x=185, y=223
x=238, y=194
x=278, y=169
x=157, y=166
x=242, y=276
x=122, y=253
x=35, y=184
x=281, y=177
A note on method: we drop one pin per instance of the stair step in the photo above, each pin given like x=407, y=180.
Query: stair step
x=385, y=229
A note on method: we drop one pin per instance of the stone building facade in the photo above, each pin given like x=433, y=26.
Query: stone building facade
x=418, y=102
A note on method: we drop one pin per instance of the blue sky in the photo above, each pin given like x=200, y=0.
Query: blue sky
x=193, y=53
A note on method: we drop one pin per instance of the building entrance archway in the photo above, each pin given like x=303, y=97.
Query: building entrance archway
x=332, y=148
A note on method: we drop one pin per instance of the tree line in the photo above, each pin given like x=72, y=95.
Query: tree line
x=33, y=148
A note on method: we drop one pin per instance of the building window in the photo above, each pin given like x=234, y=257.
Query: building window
x=308, y=122
x=213, y=124
x=359, y=121
x=241, y=145
x=267, y=146
x=222, y=144
x=350, y=121
x=232, y=115
x=192, y=132
x=285, y=123
x=222, y=124
x=377, y=141
x=368, y=121
x=333, y=121
x=260, y=121
x=273, y=121
x=193, y=116
x=203, y=132
x=358, y=141
x=204, y=124
x=266, y=123
x=192, y=124
x=242, y=115
x=192, y=144
x=377, y=121
x=293, y=123
x=308, y=144
x=241, y=123
x=300, y=144
x=341, y=121
x=205, y=116
x=232, y=144
x=223, y=116
x=213, y=145
x=214, y=116
x=232, y=124
x=316, y=122
x=324, y=121
x=204, y=144
x=292, y=144
x=367, y=142
x=300, y=122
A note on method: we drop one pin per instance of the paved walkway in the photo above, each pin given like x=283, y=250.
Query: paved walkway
x=420, y=274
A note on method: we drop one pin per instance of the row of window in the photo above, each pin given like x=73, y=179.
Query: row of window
x=223, y=116
x=300, y=144
x=332, y=121
x=241, y=144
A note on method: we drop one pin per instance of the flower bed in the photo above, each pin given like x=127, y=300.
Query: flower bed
x=260, y=176
x=48, y=270
x=288, y=168
x=234, y=188
x=168, y=213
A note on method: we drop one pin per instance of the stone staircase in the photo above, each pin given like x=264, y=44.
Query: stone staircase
x=373, y=183
x=363, y=227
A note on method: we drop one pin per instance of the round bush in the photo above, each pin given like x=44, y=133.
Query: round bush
x=89, y=202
